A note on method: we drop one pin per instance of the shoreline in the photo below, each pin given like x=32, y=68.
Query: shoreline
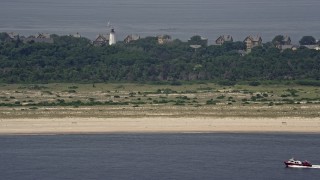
x=158, y=125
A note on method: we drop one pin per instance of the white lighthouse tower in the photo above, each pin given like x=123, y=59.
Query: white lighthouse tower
x=112, y=37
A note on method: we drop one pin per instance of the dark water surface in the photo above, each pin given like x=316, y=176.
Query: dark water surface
x=157, y=156
x=179, y=18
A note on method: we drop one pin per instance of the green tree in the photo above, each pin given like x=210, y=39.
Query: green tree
x=278, y=40
x=198, y=40
x=229, y=46
x=4, y=36
x=307, y=40
x=71, y=59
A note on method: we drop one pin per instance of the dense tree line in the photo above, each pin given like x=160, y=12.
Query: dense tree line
x=71, y=59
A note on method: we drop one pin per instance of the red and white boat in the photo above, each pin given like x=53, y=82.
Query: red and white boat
x=296, y=163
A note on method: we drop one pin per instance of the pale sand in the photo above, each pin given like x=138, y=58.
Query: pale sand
x=158, y=125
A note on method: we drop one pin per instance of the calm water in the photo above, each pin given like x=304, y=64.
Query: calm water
x=157, y=156
x=179, y=18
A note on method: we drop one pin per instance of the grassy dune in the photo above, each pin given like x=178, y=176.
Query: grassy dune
x=142, y=100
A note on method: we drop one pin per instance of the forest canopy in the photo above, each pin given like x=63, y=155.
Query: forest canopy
x=71, y=59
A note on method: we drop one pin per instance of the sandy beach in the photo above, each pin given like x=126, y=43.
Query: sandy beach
x=136, y=108
x=158, y=125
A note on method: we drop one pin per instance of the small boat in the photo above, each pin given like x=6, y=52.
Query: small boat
x=296, y=163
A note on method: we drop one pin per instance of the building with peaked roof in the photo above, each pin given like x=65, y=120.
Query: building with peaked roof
x=163, y=39
x=252, y=41
x=289, y=46
x=12, y=36
x=39, y=38
x=285, y=43
x=131, y=37
x=286, y=40
x=77, y=35
x=101, y=39
x=224, y=38
x=105, y=39
x=42, y=36
x=313, y=47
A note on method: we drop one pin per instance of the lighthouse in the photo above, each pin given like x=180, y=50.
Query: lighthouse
x=112, y=37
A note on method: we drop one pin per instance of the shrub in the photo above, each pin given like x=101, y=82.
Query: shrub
x=293, y=92
x=308, y=82
x=179, y=102
x=183, y=97
x=175, y=83
x=212, y=102
x=205, y=88
x=254, y=83
x=138, y=102
x=227, y=83
x=221, y=97
x=17, y=103
x=73, y=87
x=47, y=92
x=71, y=91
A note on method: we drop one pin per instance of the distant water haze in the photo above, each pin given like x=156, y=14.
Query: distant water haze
x=179, y=18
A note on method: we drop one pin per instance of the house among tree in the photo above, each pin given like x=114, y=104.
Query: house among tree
x=101, y=39
x=163, y=39
x=283, y=42
x=289, y=46
x=105, y=39
x=286, y=40
x=312, y=47
x=12, y=36
x=198, y=40
x=131, y=37
x=224, y=38
x=252, y=41
x=39, y=38
x=43, y=36
x=77, y=35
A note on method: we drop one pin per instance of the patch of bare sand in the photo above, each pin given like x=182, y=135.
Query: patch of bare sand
x=157, y=125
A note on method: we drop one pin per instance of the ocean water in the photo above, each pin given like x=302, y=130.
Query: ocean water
x=158, y=156
x=178, y=18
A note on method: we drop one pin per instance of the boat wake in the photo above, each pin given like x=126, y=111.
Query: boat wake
x=315, y=166
x=306, y=167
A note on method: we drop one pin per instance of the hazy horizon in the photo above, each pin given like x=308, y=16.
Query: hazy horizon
x=180, y=19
